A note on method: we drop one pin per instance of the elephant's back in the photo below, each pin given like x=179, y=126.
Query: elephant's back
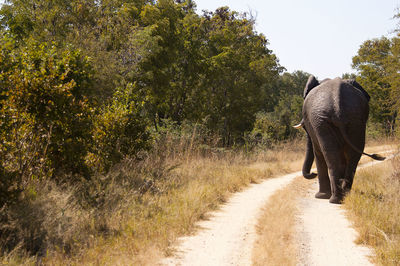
x=336, y=101
x=352, y=103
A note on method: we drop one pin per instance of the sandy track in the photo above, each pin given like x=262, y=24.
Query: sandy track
x=227, y=238
x=326, y=236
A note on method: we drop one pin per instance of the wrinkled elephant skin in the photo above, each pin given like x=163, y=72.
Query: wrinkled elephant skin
x=335, y=113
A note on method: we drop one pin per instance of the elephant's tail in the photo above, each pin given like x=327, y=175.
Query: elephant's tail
x=374, y=156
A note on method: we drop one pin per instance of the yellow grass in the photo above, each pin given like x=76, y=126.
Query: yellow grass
x=197, y=186
x=134, y=228
x=374, y=207
x=276, y=243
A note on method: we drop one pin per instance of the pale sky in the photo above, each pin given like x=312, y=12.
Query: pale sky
x=316, y=36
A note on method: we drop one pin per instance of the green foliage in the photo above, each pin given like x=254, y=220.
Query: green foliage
x=349, y=76
x=275, y=126
x=240, y=76
x=393, y=69
x=214, y=68
x=293, y=83
x=120, y=129
x=270, y=128
x=46, y=124
x=102, y=30
x=377, y=71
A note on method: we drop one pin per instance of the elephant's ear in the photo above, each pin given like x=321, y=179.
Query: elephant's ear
x=311, y=83
x=357, y=85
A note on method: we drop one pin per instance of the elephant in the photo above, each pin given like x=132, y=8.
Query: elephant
x=335, y=113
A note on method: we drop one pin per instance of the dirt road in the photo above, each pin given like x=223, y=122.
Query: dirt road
x=228, y=236
x=326, y=236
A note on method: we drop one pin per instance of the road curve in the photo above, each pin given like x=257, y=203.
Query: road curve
x=228, y=236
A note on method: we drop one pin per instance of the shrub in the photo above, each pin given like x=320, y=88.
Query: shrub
x=45, y=112
x=272, y=127
x=120, y=129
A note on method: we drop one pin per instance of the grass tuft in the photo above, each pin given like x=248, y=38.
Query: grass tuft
x=276, y=227
x=374, y=206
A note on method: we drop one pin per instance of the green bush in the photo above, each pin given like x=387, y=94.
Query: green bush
x=120, y=129
x=45, y=128
x=278, y=125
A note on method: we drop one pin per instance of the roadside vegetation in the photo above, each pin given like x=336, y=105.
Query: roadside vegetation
x=112, y=111
x=143, y=207
x=373, y=206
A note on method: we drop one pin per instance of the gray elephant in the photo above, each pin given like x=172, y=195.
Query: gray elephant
x=335, y=113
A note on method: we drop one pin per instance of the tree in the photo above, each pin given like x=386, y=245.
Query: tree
x=375, y=73
x=293, y=83
x=102, y=30
x=393, y=69
x=45, y=111
x=240, y=74
x=277, y=125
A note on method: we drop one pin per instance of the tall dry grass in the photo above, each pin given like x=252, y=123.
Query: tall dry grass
x=134, y=214
x=374, y=207
x=199, y=184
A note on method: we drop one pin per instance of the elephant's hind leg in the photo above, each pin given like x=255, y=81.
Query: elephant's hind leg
x=337, y=167
x=333, y=151
x=357, y=137
x=323, y=177
x=351, y=166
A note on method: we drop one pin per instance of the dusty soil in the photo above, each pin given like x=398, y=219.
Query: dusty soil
x=227, y=237
x=325, y=236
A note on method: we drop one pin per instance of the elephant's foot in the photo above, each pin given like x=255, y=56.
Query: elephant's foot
x=335, y=199
x=323, y=195
x=346, y=185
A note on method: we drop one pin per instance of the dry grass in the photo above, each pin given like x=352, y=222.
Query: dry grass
x=276, y=243
x=200, y=185
x=140, y=208
x=374, y=207
x=137, y=225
